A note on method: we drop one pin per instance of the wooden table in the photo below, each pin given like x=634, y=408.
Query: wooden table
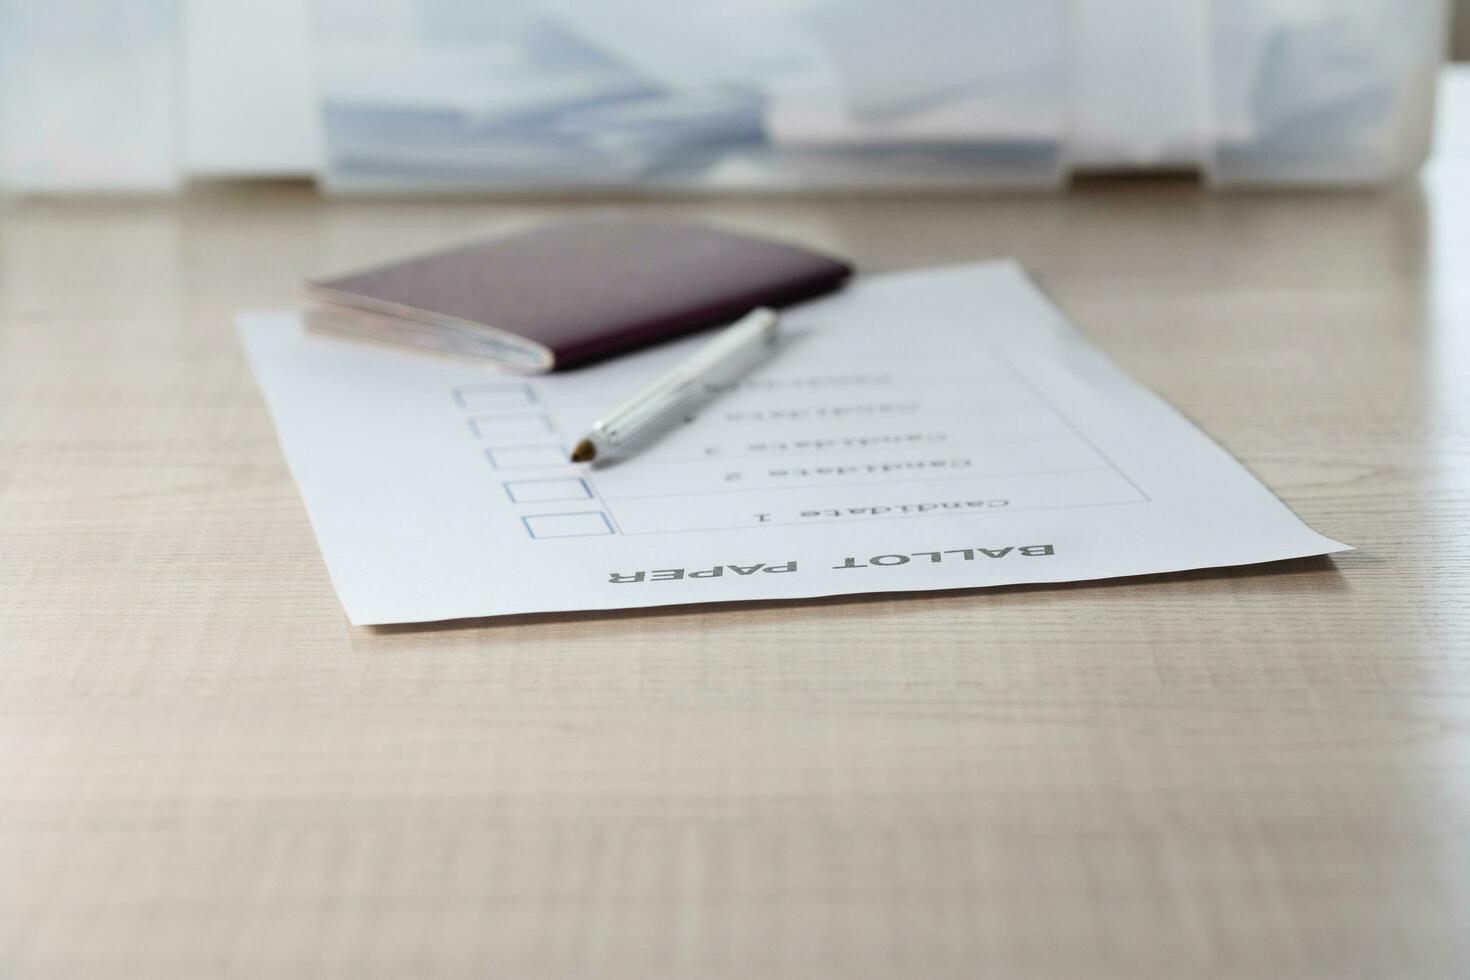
x=205, y=772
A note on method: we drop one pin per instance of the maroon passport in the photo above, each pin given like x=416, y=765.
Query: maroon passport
x=567, y=293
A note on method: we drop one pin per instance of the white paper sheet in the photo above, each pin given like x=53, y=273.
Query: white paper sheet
x=931, y=430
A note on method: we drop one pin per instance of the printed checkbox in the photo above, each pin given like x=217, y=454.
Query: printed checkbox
x=495, y=397
x=587, y=524
x=526, y=457
x=546, y=491
x=518, y=426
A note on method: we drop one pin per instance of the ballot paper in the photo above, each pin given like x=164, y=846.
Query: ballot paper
x=942, y=429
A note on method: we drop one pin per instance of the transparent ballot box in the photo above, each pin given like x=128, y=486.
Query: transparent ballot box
x=452, y=94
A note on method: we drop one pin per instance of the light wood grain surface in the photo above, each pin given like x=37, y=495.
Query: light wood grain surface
x=205, y=772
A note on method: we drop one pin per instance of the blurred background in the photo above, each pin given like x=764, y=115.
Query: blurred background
x=436, y=95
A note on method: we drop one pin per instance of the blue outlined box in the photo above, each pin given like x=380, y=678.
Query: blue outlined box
x=592, y=523
x=520, y=425
x=527, y=457
x=495, y=396
x=547, y=491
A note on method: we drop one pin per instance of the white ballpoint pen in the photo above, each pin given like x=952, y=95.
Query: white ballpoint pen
x=736, y=348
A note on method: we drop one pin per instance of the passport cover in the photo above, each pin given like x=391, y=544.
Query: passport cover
x=563, y=294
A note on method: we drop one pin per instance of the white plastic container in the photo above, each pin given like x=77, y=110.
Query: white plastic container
x=446, y=94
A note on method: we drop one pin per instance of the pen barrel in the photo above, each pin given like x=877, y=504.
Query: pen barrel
x=718, y=363
x=638, y=414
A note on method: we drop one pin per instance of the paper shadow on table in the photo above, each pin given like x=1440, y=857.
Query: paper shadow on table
x=1318, y=574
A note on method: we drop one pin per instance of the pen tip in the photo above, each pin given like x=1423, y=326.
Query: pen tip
x=584, y=451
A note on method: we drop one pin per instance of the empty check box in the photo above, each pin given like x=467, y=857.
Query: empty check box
x=517, y=426
x=527, y=457
x=544, y=491
x=495, y=397
x=584, y=525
